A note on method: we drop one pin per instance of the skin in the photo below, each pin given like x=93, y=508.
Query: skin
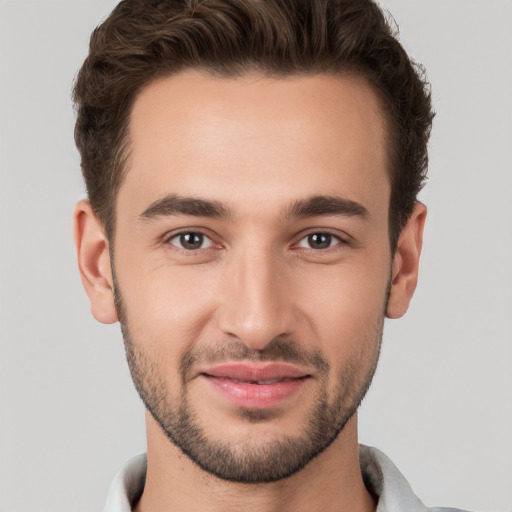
x=245, y=144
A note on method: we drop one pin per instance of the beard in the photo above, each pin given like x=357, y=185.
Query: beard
x=247, y=460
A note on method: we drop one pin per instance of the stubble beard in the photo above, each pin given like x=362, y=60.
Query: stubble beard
x=247, y=460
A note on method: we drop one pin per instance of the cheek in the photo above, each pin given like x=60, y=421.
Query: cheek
x=348, y=331
x=345, y=299
x=346, y=316
x=165, y=308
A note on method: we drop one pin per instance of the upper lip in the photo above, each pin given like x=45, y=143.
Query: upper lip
x=252, y=372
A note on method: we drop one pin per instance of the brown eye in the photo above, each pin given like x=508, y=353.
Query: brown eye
x=319, y=241
x=191, y=241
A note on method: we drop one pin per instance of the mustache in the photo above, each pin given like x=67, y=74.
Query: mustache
x=283, y=350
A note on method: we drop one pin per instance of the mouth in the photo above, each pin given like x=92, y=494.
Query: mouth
x=255, y=386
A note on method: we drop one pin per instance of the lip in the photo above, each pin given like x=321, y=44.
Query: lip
x=255, y=386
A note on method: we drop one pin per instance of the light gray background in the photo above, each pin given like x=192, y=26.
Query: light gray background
x=441, y=404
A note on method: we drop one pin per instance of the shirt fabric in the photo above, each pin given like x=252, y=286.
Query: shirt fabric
x=380, y=475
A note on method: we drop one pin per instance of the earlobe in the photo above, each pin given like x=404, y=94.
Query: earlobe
x=92, y=248
x=404, y=273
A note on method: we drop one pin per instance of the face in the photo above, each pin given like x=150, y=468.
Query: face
x=252, y=264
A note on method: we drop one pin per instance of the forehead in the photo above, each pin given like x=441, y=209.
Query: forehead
x=279, y=138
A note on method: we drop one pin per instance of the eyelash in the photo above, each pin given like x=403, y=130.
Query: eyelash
x=332, y=236
x=174, y=236
x=212, y=245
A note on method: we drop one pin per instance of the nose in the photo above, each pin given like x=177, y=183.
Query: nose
x=257, y=299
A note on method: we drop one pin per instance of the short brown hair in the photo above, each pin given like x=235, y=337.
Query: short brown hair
x=143, y=40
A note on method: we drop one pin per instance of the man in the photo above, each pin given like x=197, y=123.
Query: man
x=252, y=171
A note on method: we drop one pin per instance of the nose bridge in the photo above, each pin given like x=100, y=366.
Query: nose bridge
x=255, y=307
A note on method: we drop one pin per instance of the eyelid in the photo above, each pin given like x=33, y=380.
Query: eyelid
x=342, y=238
x=168, y=237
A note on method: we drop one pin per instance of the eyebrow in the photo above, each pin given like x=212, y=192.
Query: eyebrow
x=174, y=204
x=326, y=205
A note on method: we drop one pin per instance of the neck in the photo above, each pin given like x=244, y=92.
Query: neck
x=330, y=482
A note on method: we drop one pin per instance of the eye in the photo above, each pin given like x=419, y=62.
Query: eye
x=191, y=241
x=319, y=241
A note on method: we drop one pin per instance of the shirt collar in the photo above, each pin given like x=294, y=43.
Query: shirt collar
x=380, y=475
x=383, y=479
x=127, y=486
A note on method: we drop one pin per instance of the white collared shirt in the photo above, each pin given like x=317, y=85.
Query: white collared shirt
x=380, y=475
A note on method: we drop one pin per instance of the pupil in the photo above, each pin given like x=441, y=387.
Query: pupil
x=320, y=240
x=191, y=240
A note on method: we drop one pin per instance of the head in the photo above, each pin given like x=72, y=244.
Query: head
x=252, y=170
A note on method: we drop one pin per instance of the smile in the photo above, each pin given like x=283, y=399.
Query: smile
x=255, y=386
x=261, y=382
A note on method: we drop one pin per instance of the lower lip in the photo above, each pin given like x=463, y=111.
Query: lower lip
x=255, y=396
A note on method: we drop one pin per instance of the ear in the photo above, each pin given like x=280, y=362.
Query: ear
x=404, y=272
x=92, y=249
